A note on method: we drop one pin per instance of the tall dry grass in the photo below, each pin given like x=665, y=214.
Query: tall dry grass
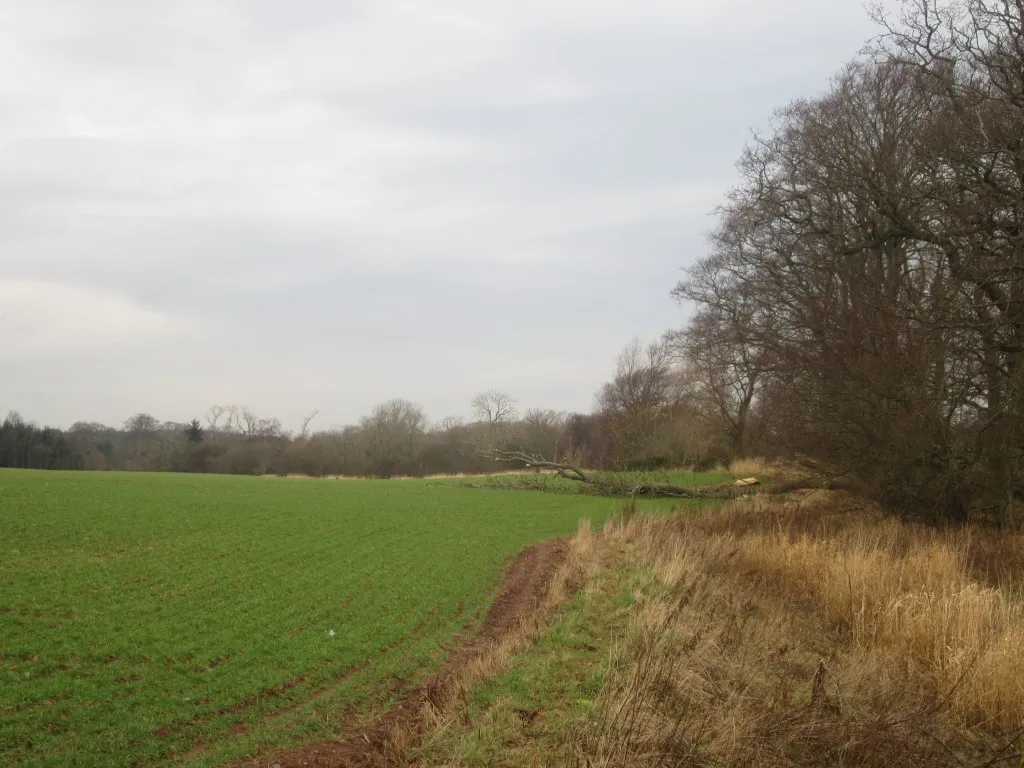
x=814, y=632
x=906, y=598
x=750, y=467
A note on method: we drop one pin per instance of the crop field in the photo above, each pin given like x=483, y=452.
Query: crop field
x=160, y=619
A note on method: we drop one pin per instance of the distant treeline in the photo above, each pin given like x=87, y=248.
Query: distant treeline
x=640, y=425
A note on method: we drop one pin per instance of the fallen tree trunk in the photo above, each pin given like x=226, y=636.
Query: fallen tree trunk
x=618, y=486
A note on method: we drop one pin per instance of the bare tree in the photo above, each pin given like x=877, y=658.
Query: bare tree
x=637, y=403
x=268, y=429
x=243, y=420
x=84, y=427
x=392, y=433
x=141, y=439
x=214, y=414
x=864, y=263
x=642, y=381
x=304, y=433
x=725, y=364
x=969, y=58
x=494, y=406
x=449, y=424
x=142, y=423
x=541, y=432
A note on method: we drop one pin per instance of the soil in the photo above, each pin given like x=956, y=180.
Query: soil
x=522, y=592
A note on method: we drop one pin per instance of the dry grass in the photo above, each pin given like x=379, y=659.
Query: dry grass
x=763, y=469
x=784, y=633
x=805, y=631
x=908, y=601
x=752, y=467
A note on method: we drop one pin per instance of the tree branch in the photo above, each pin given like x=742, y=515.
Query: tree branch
x=568, y=471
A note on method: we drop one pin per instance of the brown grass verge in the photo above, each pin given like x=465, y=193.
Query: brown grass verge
x=815, y=632
x=748, y=467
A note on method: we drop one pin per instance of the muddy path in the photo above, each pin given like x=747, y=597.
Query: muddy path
x=522, y=592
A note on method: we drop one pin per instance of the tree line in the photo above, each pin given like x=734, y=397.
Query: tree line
x=862, y=295
x=633, y=427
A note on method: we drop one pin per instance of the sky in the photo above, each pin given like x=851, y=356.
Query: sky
x=324, y=204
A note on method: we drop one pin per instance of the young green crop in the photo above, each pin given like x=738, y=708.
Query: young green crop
x=155, y=618
x=143, y=614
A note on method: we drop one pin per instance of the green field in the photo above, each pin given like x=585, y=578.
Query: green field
x=157, y=618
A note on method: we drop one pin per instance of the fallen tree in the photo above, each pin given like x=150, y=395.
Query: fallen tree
x=613, y=484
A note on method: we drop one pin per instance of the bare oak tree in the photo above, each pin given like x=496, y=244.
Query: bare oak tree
x=872, y=254
x=392, y=433
x=494, y=406
x=638, y=399
x=214, y=415
x=724, y=365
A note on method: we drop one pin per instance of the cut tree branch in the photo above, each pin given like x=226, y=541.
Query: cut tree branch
x=568, y=471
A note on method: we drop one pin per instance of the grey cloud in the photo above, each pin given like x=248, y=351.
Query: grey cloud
x=322, y=204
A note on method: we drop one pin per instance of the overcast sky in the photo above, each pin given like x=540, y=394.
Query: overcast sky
x=323, y=204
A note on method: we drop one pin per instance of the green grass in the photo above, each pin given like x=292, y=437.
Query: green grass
x=158, y=619
x=535, y=710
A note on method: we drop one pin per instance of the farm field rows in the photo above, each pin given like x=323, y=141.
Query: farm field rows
x=156, y=618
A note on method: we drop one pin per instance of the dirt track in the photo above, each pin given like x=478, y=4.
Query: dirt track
x=523, y=590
